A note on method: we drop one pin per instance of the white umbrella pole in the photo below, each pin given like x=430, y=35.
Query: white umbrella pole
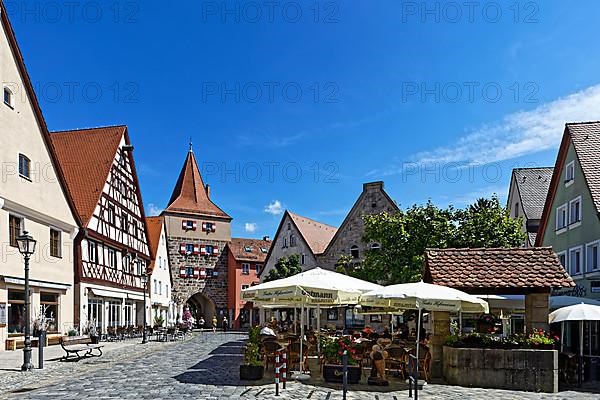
x=460, y=322
x=418, y=336
x=562, y=336
x=392, y=320
x=319, y=330
x=301, y=337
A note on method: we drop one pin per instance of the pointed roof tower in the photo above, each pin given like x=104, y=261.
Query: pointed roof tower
x=190, y=195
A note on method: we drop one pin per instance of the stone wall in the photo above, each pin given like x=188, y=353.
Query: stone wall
x=373, y=200
x=522, y=369
x=213, y=287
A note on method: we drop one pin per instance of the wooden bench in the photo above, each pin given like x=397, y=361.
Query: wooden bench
x=18, y=342
x=76, y=345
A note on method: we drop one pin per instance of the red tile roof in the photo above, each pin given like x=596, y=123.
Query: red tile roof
x=86, y=157
x=190, y=195
x=316, y=234
x=155, y=229
x=496, y=269
x=237, y=247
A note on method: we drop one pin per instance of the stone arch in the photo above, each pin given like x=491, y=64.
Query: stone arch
x=201, y=305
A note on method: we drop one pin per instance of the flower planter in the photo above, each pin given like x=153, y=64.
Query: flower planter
x=251, y=372
x=95, y=339
x=334, y=373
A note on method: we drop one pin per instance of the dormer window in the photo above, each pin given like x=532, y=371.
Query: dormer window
x=9, y=97
x=263, y=250
x=570, y=172
x=24, y=166
x=248, y=249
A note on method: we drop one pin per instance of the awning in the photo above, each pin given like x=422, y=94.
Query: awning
x=36, y=283
x=118, y=295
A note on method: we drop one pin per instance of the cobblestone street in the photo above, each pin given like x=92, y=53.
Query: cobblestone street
x=202, y=367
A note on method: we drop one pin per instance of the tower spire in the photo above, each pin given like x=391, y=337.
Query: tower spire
x=191, y=150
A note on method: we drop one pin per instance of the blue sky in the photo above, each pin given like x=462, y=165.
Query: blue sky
x=296, y=105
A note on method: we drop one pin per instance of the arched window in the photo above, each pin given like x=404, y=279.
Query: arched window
x=354, y=252
x=293, y=240
x=375, y=246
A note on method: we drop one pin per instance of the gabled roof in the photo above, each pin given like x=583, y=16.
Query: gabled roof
x=585, y=137
x=190, y=195
x=532, y=186
x=316, y=234
x=496, y=270
x=380, y=186
x=37, y=111
x=86, y=157
x=155, y=229
x=238, y=246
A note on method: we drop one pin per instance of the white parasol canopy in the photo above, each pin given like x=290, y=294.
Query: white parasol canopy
x=579, y=312
x=313, y=287
x=420, y=295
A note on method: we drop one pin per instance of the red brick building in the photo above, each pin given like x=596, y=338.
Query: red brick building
x=245, y=261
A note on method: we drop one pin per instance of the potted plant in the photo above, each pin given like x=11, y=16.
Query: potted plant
x=158, y=321
x=252, y=368
x=333, y=350
x=92, y=330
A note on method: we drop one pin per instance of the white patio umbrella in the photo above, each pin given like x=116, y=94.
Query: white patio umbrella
x=579, y=312
x=423, y=296
x=316, y=287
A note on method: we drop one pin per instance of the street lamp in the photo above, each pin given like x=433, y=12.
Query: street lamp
x=145, y=283
x=26, y=245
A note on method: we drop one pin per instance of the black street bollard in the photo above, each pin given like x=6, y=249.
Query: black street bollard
x=345, y=373
x=41, y=344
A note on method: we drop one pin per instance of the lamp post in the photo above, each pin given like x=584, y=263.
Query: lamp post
x=26, y=245
x=145, y=283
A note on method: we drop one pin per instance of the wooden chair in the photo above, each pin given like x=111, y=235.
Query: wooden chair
x=424, y=361
x=293, y=356
x=269, y=351
x=397, y=359
x=367, y=346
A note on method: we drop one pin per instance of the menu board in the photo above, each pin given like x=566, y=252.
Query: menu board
x=3, y=315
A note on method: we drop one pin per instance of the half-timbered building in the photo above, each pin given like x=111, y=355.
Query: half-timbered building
x=111, y=249
x=198, y=232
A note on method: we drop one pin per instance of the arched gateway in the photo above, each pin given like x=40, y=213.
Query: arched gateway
x=198, y=232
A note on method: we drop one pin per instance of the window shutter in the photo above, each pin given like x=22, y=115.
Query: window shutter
x=215, y=251
x=182, y=248
x=203, y=250
x=204, y=227
x=184, y=224
x=195, y=225
x=182, y=273
x=202, y=273
x=196, y=249
x=214, y=227
x=196, y=272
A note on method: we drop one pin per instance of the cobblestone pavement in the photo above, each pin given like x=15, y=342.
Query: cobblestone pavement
x=205, y=366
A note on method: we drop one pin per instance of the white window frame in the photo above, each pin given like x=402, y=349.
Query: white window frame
x=566, y=264
x=245, y=268
x=581, y=261
x=588, y=258
x=576, y=223
x=569, y=167
x=561, y=229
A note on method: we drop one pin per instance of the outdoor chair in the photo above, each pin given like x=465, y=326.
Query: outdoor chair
x=367, y=346
x=269, y=351
x=293, y=356
x=424, y=361
x=397, y=359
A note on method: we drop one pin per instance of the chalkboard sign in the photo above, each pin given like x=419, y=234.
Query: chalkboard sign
x=3, y=315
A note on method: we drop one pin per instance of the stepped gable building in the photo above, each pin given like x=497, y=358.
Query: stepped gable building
x=526, y=198
x=298, y=235
x=348, y=239
x=111, y=249
x=198, y=232
x=33, y=198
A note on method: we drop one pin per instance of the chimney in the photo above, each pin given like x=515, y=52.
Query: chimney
x=265, y=238
x=207, y=190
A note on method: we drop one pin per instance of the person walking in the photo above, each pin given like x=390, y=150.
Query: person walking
x=225, y=324
x=201, y=322
x=214, y=324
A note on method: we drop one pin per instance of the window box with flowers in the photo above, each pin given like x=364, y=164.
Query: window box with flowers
x=333, y=350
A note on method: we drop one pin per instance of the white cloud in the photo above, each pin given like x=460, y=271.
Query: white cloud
x=152, y=210
x=251, y=227
x=274, y=208
x=519, y=133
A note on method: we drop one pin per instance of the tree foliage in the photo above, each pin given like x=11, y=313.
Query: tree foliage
x=285, y=266
x=405, y=235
